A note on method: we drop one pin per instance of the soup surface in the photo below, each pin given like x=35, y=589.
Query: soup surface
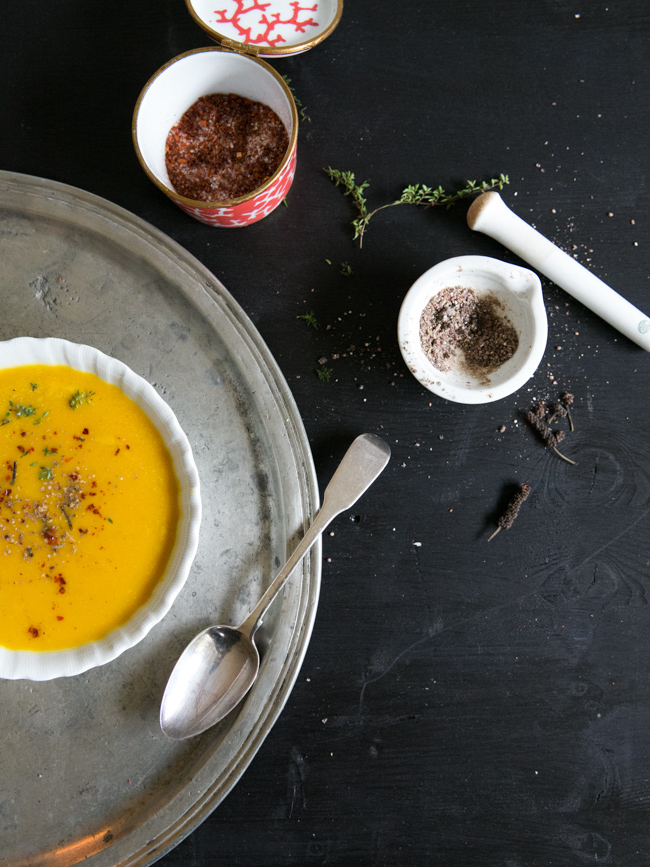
x=89, y=507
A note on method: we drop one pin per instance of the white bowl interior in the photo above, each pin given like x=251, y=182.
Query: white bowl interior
x=519, y=294
x=290, y=33
x=45, y=665
x=178, y=85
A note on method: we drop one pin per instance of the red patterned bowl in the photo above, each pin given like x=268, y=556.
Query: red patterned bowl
x=175, y=87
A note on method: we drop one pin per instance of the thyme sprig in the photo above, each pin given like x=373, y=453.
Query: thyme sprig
x=324, y=373
x=299, y=105
x=310, y=319
x=414, y=194
x=79, y=397
x=18, y=411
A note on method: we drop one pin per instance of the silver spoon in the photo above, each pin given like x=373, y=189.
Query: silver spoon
x=219, y=666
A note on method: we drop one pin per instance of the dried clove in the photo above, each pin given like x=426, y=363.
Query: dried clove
x=507, y=519
x=551, y=438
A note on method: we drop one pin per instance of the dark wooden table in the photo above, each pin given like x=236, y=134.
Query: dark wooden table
x=461, y=703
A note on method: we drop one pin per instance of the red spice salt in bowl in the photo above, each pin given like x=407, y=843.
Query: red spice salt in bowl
x=174, y=89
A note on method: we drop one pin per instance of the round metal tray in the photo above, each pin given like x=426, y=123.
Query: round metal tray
x=85, y=772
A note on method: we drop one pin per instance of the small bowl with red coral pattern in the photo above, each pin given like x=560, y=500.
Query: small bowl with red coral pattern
x=216, y=131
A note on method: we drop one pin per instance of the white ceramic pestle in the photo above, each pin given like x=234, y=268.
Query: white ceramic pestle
x=490, y=214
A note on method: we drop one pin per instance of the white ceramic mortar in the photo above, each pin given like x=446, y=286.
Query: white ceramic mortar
x=519, y=294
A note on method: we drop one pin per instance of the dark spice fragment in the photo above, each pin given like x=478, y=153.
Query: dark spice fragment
x=551, y=438
x=224, y=146
x=507, y=519
x=50, y=536
x=567, y=400
x=66, y=516
x=557, y=410
x=457, y=319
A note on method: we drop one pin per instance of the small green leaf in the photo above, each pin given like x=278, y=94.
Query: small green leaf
x=79, y=397
x=310, y=319
x=324, y=373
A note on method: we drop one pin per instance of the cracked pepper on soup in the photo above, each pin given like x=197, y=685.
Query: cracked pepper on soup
x=89, y=506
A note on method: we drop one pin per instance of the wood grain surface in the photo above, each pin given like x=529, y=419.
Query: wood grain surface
x=462, y=702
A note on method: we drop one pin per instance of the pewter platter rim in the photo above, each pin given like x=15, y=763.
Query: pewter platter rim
x=299, y=491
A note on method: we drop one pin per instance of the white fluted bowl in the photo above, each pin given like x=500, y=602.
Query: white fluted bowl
x=47, y=665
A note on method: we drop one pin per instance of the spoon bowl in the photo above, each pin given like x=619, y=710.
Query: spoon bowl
x=212, y=675
x=220, y=665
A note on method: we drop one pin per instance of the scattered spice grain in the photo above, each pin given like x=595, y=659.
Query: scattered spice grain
x=224, y=146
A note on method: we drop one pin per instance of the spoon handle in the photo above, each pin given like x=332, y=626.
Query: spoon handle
x=361, y=464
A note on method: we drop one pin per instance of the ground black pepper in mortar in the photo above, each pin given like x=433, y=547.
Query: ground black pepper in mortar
x=458, y=326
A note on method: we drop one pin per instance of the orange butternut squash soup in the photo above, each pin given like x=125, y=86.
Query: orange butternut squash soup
x=89, y=507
